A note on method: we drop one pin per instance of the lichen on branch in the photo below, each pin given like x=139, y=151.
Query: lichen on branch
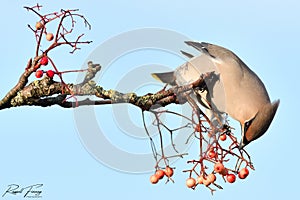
x=41, y=93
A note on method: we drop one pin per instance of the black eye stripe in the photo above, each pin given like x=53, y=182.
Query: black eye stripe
x=247, y=125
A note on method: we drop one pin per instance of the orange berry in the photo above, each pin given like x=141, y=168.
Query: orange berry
x=49, y=36
x=223, y=137
x=190, y=182
x=169, y=171
x=230, y=178
x=243, y=173
x=206, y=181
x=154, y=179
x=211, y=177
x=212, y=154
x=200, y=179
x=39, y=25
x=219, y=167
x=160, y=174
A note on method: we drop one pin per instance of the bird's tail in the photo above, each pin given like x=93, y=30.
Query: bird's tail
x=165, y=77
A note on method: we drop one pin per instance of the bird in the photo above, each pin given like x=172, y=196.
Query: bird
x=237, y=91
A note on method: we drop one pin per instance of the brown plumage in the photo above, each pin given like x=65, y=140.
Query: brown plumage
x=239, y=92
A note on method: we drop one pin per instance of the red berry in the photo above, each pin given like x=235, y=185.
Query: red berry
x=154, y=179
x=243, y=173
x=169, y=171
x=190, y=182
x=49, y=36
x=160, y=174
x=230, y=178
x=44, y=60
x=223, y=137
x=212, y=154
x=50, y=73
x=219, y=167
x=39, y=73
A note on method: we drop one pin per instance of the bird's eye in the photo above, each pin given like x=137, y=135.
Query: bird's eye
x=247, y=125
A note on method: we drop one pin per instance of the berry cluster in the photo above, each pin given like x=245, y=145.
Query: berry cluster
x=39, y=73
x=39, y=26
x=159, y=174
x=58, y=37
x=218, y=152
x=219, y=168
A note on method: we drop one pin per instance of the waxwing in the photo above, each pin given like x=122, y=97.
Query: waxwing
x=237, y=90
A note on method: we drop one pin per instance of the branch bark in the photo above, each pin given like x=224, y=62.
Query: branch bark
x=47, y=92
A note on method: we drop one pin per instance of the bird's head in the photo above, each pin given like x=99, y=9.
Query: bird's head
x=259, y=124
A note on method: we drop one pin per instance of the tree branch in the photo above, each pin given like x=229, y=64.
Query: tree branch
x=47, y=92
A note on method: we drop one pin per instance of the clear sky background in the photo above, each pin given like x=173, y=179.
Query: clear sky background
x=42, y=145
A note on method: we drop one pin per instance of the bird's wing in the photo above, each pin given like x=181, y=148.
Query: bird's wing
x=213, y=97
x=200, y=46
x=187, y=54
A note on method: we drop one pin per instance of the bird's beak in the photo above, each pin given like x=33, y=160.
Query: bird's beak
x=241, y=145
x=244, y=141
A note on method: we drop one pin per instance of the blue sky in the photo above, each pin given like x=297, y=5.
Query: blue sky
x=42, y=145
